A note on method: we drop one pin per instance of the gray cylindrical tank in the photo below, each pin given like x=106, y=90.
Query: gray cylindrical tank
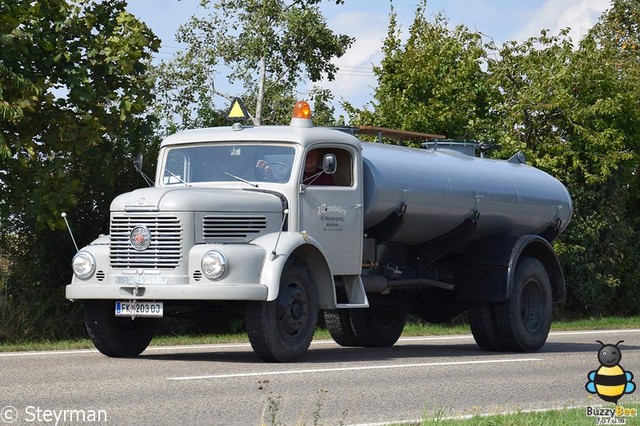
x=442, y=188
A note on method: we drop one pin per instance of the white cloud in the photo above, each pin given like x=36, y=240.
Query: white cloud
x=355, y=80
x=503, y=20
x=368, y=20
x=555, y=15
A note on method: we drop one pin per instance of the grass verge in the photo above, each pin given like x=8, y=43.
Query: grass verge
x=564, y=417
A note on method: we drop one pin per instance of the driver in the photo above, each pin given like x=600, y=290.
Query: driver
x=267, y=173
x=264, y=172
x=313, y=173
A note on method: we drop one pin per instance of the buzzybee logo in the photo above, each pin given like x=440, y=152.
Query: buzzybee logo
x=610, y=381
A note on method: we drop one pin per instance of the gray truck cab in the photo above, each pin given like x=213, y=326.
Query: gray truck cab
x=229, y=214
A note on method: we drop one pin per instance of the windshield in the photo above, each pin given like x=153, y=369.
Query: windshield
x=228, y=162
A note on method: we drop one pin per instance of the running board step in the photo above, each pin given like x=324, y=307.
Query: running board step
x=356, y=296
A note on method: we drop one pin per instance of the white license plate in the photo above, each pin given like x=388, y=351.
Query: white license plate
x=141, y=279
x=139, y=309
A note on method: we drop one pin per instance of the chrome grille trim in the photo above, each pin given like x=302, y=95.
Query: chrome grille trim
x=165, y=251
x=224, y=227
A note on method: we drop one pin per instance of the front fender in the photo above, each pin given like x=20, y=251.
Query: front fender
x=99, y=248
x=279, y=248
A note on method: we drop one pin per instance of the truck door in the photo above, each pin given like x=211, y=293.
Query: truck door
x=331, y=211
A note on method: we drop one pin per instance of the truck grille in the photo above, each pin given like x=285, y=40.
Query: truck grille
x=232, y=227
x=164, y=251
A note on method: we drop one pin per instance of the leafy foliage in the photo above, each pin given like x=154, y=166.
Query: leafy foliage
x=575, y=114
x=572, y=109
x=74, y=89
x=432, y=83
x=75, y=84
x=270, y=46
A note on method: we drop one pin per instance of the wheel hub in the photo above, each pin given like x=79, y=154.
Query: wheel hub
x=532, y=306
x=292, y=309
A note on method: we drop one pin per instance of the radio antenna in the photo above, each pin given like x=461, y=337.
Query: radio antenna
x=64, y=216
x=274, y=255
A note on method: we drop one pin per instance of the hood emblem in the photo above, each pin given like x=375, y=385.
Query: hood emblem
x=140, y=238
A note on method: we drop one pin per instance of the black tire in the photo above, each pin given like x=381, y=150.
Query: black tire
x=339, y=326
x=281, y=330
x=113, y=336
x=483, y=326
x=524, y=320
x=378, y=326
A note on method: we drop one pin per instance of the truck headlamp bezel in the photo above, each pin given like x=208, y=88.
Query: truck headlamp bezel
x=83, y=265
x=214, y=264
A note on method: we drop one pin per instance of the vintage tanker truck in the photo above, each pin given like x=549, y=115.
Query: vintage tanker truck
x=242, y=216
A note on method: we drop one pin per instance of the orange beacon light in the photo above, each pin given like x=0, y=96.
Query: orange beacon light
x=301, y=110
x=301, y=116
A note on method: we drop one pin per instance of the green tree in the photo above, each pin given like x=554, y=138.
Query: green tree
x=74, y=89
x=269, y=46
x=618, y=36
x=432, y=83
x=574, y=112
x=572, y=109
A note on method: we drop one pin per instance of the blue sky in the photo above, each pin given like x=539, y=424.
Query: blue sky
x=367, y=20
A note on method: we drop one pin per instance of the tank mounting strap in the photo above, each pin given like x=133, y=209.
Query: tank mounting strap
x=389, y=226
x=552, y=231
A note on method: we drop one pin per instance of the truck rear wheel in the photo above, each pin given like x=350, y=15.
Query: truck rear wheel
x=524, y=320
x=281, y=330
x=339, y=326
x=378, y=326
x=118, y=337
x=483, y=326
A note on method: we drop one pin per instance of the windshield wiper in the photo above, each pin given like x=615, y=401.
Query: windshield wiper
x=241, y=180
x=177, y=177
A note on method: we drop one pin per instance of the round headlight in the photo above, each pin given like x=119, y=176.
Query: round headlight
x=213, y=264
x=83, y=264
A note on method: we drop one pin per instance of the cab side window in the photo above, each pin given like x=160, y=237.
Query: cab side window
x=344, y=172
x=313, y=174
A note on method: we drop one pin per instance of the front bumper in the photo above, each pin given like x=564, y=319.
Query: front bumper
x=241, y=282
x=250, y=292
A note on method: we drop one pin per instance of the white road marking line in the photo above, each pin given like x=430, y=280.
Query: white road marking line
x=361, y=368
x=35, y=353
x=149, y=349
x=202, y=346
x=578, y=333
x=315, y=342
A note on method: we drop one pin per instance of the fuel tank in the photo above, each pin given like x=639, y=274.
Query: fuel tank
x=426, y=194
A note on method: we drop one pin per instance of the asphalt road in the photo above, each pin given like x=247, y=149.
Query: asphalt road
x=229, y=385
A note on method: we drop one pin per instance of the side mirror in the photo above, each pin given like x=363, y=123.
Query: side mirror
x=329, y=164
x=137, y=163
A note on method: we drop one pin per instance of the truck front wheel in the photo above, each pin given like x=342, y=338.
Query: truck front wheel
x=524, y=320
x=378, y=326
x=281, y=330
x=113, y=336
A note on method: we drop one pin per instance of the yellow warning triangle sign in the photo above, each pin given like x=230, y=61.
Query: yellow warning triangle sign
x=237, y=111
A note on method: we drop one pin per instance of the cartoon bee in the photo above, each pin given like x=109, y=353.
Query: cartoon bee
x=610, y=381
